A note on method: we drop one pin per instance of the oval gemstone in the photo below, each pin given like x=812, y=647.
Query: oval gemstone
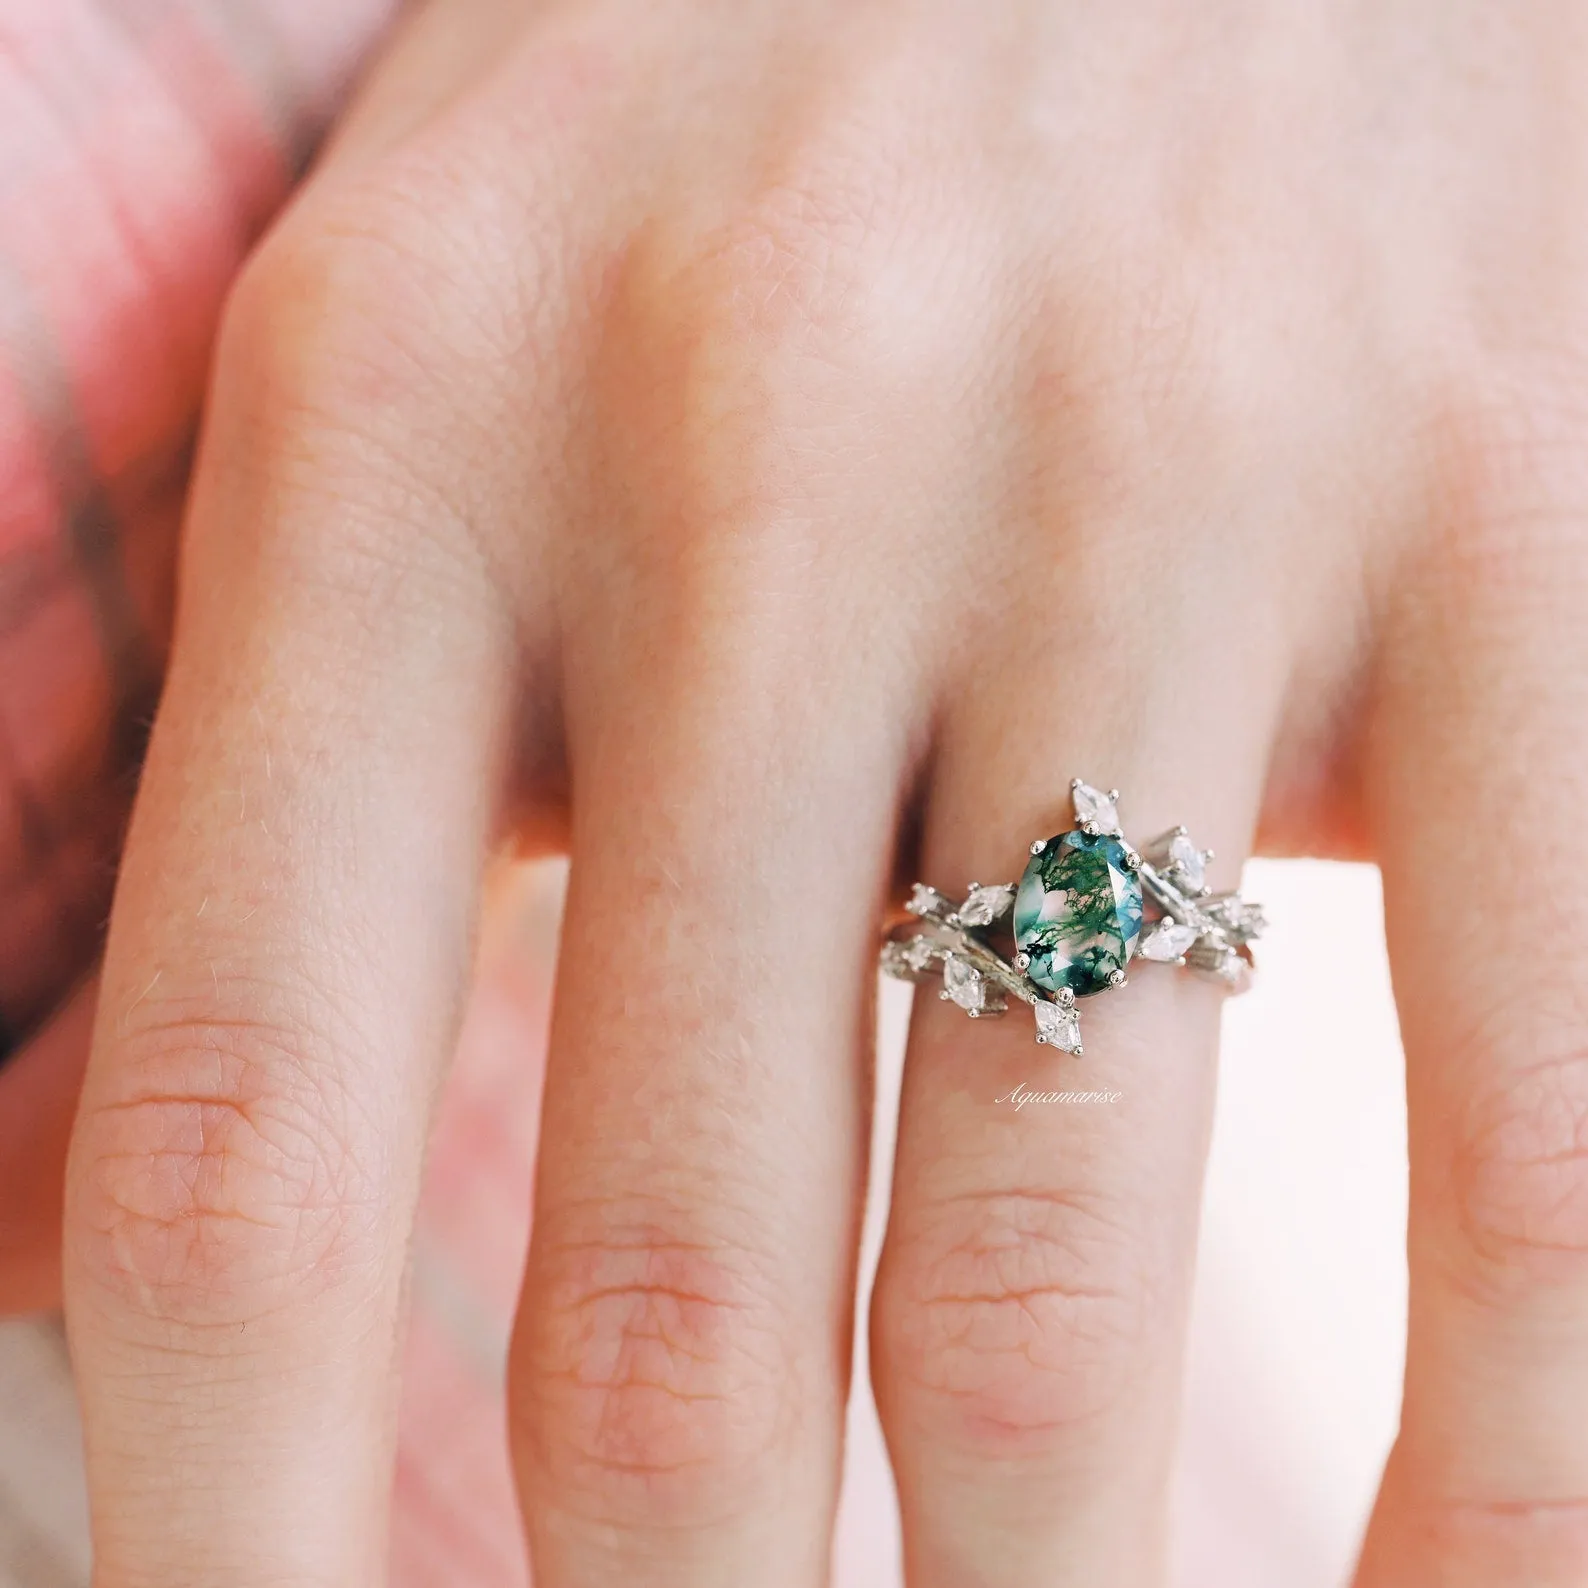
x=1078, y=913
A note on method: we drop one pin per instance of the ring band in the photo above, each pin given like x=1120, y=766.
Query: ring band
x=1079, y=914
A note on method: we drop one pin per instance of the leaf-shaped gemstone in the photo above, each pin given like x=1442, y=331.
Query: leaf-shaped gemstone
x=964, y=984
x=1058, y=1026
x=1166, y=941
x=983, y=905
x=1094, y=806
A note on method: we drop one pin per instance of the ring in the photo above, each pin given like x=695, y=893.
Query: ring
x=1079, y=915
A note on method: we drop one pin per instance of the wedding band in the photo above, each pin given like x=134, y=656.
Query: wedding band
x=1086, y=905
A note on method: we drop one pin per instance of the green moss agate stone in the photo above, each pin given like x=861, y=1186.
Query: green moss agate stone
x=1078, y=913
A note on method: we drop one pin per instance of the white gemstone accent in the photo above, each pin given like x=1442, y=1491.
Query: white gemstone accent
x=1058, y=1026
x=909, y=959
x=1167, y=941
x=1186, y=860
x=983, y=906
x=924, y=900
x=963, y=983
x=1095, y=807
x=1241, y=920
x=1235, y=973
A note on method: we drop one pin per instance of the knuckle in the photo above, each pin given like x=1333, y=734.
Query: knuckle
x=654, y=1371
x=323, y=322
x=218, y=1186
x=372, y=297
x=337, y=339
x=751, y=338
x=784, y=271
x=1503, y=1536
x=797, y=275
x=1521, y=1174
x=1006, y=1318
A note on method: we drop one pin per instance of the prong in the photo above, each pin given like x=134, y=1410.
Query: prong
x=1207, y=854
x=1042, y=1041
x=1113, y=794
x=1167, y=920
x=1079, y=1052
x=1116, y=978
x=1075, y=782
x=1132, y=859
x=975, y=1014
x=1182, y=831
x=1181, y=962
x=1089, y=828
x=1038, y=845
x=1022, y=962
x=1066, y=997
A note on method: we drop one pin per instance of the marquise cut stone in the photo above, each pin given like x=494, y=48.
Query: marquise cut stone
x=1186, y=860
x=909, y=959
x=1078, y=913
x=983, y=905
x=1094, y=806
x=1235, y=971
x=1242, y=921
x=893, y=962
x=964, y=984
x=1167, y=941
x=1058, y=1026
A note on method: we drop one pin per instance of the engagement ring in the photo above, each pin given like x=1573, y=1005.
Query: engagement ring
x=1086, y=905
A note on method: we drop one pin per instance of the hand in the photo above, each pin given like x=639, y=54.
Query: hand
x=781, y=445
x=143, y=153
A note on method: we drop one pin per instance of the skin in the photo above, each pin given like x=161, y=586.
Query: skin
x=770, y=449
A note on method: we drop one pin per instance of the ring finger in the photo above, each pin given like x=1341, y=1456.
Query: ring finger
x=1029, y=1308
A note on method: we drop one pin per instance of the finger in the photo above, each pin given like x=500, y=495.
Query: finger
x=1030, y=1304
x=289, y=946
x=1480, y=782
x=683, y=1348
x=736, y=743
x=38, y=1097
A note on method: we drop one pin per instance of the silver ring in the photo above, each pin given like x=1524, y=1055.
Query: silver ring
x=1085, y=906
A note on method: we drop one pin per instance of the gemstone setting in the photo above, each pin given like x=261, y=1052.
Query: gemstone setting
x=1242, y=922
x=1058, y=1026
x=1187, y=863
x=911, y=959
x=964, y=984
x=1167, y=941
x=1078, y=913
x=984, y=905
x=1095, y=810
